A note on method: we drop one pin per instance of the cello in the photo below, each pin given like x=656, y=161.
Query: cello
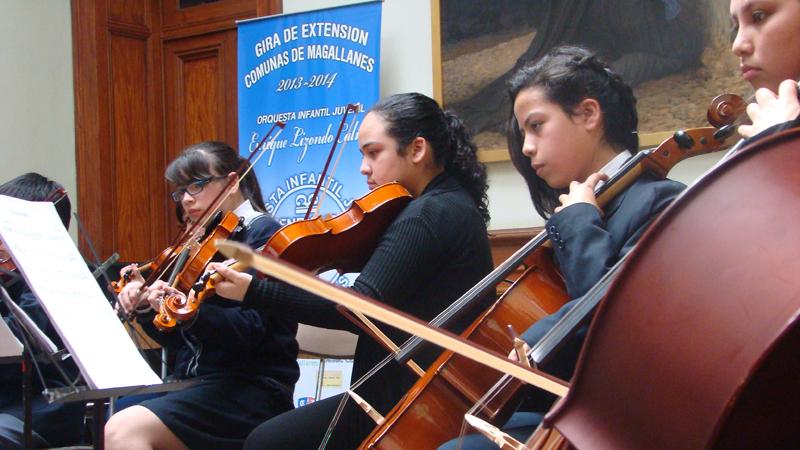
x=432, y=410
x=737, y=391
x=709, y=360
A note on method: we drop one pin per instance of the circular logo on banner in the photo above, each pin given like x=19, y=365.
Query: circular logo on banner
x=291, y=201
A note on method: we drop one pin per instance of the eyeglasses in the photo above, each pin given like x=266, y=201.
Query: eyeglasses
x=192, y=188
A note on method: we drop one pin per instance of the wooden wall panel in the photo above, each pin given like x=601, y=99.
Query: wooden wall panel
x=92, y=138
x=129, y=12
x=198, y=101
x=205, y=17
x=132, y=159
x=504, y=243
x=150, y=78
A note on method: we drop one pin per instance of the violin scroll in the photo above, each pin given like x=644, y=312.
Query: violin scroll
x=177, y=308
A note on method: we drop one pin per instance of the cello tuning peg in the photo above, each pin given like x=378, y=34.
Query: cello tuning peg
x=683, y=140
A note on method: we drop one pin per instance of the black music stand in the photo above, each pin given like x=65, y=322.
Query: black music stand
x=33, y=349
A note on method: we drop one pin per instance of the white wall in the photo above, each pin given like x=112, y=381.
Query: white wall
x=37, y=127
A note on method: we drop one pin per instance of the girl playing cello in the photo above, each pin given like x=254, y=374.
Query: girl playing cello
x=245, y=357
x=434, y=251
x=572, y=125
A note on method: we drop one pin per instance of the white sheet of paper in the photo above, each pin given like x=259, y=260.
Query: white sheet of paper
x=57, y=274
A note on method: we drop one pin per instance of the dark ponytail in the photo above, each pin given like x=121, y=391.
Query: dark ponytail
x=412, y=115
x=568, y=75
x=211, y=158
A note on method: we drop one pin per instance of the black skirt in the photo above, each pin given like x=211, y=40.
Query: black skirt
x=220, y=411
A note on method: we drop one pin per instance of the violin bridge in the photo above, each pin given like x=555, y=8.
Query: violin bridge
x=494, y=434
x=522, y=354
x=371, y=412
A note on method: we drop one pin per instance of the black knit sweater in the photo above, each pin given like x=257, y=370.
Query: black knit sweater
x=433, y=252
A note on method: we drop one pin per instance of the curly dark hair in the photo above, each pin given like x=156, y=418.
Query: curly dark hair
x=567, y=75
x=212, y=158
x=412, y=115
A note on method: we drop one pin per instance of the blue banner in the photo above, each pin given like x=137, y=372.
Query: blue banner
x=304, y=69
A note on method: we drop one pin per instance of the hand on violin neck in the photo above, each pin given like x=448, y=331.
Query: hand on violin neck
x=582, y=192
x=772, y=109
x=233, y=285
x=131, y=273
x=131, y=296
x=155, y=294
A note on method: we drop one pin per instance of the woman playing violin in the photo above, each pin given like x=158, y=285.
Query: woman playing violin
x=573, y=124
x=434, y=251
x=245, y=357
x=766, y=42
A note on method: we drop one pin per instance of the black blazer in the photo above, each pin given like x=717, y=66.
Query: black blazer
x=587, y=245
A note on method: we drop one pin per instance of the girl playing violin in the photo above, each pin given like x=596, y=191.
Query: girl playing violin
x=768, y=47
x=433, y=252
x=572, y=125
x=245, y=358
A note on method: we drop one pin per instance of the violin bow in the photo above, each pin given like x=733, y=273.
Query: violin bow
x=221, y=196
x=290, y=274
x=350, y=107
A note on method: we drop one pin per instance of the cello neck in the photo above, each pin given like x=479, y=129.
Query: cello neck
x=659, y=161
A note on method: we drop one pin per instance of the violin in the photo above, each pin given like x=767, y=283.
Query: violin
x=182, y=310
x=192, y=243
x=343, y=242
x=153, y=265
x=176, y=308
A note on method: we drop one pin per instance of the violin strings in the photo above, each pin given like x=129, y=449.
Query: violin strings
x=334, y=420
x=262, y=151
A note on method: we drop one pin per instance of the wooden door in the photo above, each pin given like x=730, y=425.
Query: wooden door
x=151, y=77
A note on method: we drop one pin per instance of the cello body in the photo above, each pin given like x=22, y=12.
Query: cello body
x=432, y=411
x=696, y=344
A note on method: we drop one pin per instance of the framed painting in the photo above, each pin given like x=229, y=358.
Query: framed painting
x=674, y=53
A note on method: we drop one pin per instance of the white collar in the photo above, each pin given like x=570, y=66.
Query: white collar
x=246, y=211
x=614, y=165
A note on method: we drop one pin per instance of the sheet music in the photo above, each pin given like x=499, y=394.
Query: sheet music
x=71, y=297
